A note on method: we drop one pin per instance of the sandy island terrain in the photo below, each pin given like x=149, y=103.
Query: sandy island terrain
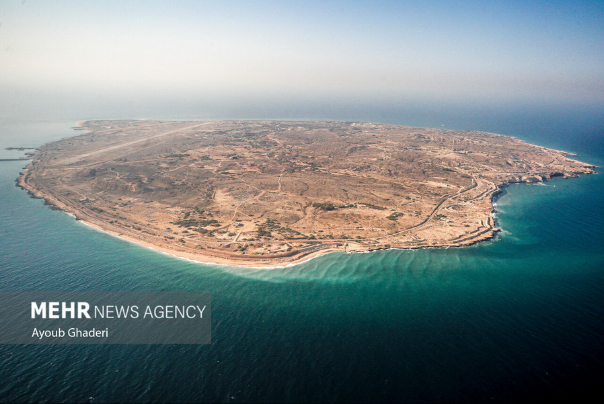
x=273, y=193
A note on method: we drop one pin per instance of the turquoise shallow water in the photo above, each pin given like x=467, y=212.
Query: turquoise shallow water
x=516, y=318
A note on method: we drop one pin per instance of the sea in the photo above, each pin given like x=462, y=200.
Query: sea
x=516, y=318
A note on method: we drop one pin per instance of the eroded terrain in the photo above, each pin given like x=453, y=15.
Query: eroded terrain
x=272, y=192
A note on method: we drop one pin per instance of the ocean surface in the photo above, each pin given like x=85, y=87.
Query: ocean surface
x=517, y=318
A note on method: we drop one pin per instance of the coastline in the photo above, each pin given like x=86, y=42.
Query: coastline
x=484, y=204
x=218, y=258
x=260, y=262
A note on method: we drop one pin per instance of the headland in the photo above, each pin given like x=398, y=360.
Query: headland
x=275, y=193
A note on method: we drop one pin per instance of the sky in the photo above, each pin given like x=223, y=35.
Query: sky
x=334, y=51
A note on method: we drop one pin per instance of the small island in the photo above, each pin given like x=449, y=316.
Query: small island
x=273, y=193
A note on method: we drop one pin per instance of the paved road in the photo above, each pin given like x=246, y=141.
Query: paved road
x=119, y=146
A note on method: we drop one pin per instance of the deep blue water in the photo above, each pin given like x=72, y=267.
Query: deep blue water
x=518, y=318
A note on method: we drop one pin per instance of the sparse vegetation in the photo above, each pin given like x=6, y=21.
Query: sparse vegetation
x=324, y=206
x=372, y=206
x=178, y=155
x=394, y=216
x=300, y=181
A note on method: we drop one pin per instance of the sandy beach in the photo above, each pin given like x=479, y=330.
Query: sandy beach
x=217, y=191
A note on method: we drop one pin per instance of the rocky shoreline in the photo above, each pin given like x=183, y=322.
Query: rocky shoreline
x=266, y=261
x=439, y=228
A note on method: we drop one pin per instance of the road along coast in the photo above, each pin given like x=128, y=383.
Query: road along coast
x=276, y=193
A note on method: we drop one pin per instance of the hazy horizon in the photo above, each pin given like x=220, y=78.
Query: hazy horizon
x=271, y=58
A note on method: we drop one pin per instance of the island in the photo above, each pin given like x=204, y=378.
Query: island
x=274, y=193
